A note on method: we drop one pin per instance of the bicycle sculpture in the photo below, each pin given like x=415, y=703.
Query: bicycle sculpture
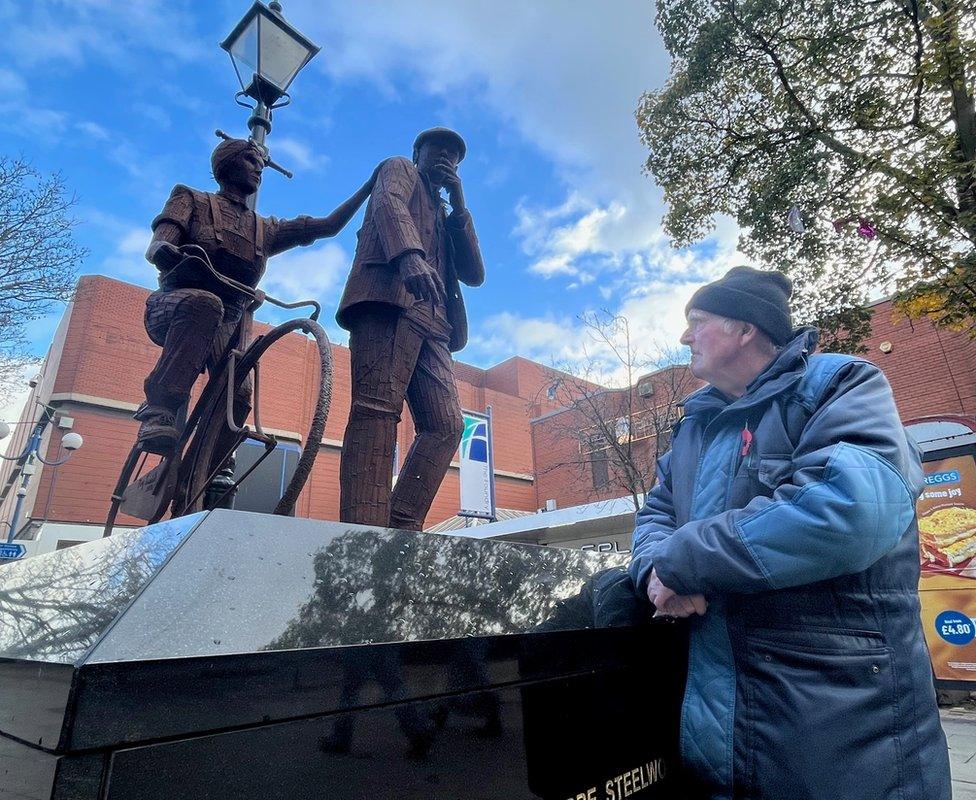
x=211, y=251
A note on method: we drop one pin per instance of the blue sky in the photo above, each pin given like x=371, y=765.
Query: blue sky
x=123, y=98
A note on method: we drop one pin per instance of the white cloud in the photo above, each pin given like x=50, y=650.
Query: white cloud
x=539, y=65
x=540, y=68
x=318, y=273
x=126, y=259
x=94, y=130
x=308, y=272
x=650, y=292
x=577, y=347
x=154, y=114
x=560, y=236
x=20, y=114
x=11, y=410
x=297, y=155
x=50, y=30
x=11, y=84
x=546, y=339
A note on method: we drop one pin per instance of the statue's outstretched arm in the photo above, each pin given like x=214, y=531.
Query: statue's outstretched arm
x=305, y=230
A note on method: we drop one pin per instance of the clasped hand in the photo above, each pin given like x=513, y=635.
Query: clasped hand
x=667, y=603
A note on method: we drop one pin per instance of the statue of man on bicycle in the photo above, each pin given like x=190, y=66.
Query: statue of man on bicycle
x=193, y=315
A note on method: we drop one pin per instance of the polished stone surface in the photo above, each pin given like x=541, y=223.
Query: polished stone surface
x=55, y=607
x=258, y=656
x=245, y=583
x=554, y=740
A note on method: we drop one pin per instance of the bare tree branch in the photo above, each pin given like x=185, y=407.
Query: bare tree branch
x=38, y=257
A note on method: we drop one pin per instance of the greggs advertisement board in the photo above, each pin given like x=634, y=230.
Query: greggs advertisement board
x=947, y=548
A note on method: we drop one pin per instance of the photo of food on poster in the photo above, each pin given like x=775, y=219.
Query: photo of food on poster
x=947, y=517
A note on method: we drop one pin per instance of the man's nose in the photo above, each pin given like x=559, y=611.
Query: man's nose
x=686, y=337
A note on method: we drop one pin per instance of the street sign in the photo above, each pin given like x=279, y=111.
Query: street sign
x=11, y=552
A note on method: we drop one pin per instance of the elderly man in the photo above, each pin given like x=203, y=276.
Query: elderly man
x=783, y=524
x=402, y=306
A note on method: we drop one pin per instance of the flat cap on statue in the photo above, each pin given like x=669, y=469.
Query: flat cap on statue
x=441, y=133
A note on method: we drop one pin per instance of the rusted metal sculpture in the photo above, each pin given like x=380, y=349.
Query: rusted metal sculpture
x=192, y=315
x=403, y=309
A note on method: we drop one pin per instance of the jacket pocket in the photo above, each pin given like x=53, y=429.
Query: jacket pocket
x=758, y=476
x=819, y=717
x=772, y=471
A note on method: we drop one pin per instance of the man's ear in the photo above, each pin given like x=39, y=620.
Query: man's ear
x=749, y=332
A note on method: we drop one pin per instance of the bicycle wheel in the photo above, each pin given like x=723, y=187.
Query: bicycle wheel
x=200, y=454
x=323, y=401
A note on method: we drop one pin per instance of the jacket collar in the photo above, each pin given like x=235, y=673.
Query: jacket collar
x=235, y=197
x=783, y=372
x=434, y=193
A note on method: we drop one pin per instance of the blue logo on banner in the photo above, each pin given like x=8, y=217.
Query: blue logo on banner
x=938, y=478
x=11, y=552
x=956, y=628
x=474, y=440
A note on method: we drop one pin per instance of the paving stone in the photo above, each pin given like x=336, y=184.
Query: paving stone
x=960, y=728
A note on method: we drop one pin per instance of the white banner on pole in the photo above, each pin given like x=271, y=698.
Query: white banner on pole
x=477, y=467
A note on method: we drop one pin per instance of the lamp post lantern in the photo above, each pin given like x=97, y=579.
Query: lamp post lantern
x=267, y=53
x=31, y=452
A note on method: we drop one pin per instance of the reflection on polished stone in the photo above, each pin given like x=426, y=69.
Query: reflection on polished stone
x=243, y=583
x=55, y=607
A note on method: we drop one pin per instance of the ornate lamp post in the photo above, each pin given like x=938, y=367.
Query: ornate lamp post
x=31, y=452
x=267, y=53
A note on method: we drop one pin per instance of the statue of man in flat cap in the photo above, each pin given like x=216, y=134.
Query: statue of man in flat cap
x=193, y=315
x=403, y=309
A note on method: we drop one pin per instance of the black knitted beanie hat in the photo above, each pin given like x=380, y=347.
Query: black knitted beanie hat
x=750, y=295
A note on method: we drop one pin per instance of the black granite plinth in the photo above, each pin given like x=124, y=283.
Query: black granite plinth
x=251, y=656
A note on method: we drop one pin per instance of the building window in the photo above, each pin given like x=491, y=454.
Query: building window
x=600, y=465
x=264, y=487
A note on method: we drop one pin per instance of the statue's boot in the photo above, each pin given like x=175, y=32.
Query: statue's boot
x=159, y=431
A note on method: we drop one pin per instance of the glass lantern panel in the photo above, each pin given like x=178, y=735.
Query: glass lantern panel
x=244, y=50
x=281, y=54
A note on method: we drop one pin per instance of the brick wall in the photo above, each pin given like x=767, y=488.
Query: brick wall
x=565, y=471
x=107, y=354
x=931, y=371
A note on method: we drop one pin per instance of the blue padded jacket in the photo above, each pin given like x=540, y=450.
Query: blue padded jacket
x=808, y=676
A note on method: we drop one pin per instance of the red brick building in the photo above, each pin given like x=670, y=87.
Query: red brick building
x=605, y=445
x=94, y=371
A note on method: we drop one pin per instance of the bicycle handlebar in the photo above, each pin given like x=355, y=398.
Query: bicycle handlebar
x=197, y=252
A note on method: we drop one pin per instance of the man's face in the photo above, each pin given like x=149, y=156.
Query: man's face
x=437, y=157
x=715, y=351
x=244, y=172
